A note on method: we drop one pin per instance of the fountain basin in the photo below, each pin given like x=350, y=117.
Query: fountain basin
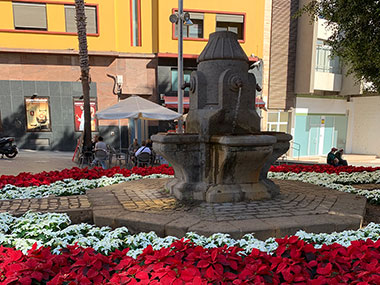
x=279, y=148
x=221, y=169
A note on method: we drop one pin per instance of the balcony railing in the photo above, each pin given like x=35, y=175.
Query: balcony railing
x=326, y=61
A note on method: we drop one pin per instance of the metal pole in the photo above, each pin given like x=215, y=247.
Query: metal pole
x=118, y=122
x=136, y=130
x=180, y=65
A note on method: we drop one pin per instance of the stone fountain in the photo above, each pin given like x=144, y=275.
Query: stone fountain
x=223, y=156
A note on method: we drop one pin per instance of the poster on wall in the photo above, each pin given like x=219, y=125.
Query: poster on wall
x=79, y=115
x=37, y=115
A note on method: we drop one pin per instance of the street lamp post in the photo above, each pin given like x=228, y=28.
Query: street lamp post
x=180, y=67
x=180, y=18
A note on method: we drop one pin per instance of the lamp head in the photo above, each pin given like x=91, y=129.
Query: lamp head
x=186, y=19
x=173, y=18
x=188, y=23
x=34, y=96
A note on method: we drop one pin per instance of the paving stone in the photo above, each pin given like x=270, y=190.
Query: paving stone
x=207, y=228
x=145, y=222
x=179, y=227
x=257, y=227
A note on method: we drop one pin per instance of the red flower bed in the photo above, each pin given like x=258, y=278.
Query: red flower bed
x=294, y=262
x=321, y=168
x=45, y=178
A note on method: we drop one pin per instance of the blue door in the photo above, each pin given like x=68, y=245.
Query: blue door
x=314, y=135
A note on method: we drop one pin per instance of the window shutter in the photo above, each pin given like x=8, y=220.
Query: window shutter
x=196, y=16
x=91, y=20
x=230, y=18
x=29, y=16
x=71, y=25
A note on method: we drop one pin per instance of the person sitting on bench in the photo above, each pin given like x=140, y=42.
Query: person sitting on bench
x=331, y=158
x=143, y=148
x=341, y=161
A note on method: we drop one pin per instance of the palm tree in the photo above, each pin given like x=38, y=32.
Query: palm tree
x=85, y=71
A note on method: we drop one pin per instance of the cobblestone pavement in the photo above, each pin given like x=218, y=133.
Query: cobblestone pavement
x=20, y=206
x=77, y=207
x=286, y=205
x=144, y=204
x=149, y=196
x=145, y=198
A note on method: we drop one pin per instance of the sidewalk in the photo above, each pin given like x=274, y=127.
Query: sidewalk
x=352, y=159
x=36, y=161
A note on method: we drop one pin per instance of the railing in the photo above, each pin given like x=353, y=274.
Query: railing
x=326, y=61
x=296, y=147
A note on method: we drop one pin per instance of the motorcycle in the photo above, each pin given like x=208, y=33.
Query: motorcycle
x=7, y=147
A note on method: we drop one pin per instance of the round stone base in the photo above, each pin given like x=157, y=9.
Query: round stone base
x=145, y=205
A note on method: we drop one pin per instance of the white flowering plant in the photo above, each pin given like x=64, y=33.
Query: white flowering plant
x=56, y=231
x=68, y=187
x=341, y=182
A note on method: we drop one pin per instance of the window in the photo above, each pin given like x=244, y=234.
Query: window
x=277, y=121
x=232, y=23
x=186, y=75
x=37, y=115
x=71, y=25
x=194, y=31
x=29, y=16
x=326, y=61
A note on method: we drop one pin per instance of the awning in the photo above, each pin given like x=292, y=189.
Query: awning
x=172, y=102
x=136, y=107
x=259, y=103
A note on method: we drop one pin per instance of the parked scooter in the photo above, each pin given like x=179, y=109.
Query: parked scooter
x=7, y=147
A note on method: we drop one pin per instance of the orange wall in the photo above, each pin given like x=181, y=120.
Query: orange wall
x=114, y=24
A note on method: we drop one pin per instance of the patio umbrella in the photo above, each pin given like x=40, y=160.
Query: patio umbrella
x=136, y=108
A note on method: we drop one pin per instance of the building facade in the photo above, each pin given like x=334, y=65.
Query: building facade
x=40, y=90
x=308, y=92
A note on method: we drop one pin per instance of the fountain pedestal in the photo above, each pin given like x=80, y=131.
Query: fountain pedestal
x=224, y=169
x=236, y=166
x=224, y=157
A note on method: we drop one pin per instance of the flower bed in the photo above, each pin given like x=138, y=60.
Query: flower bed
x=68, y=187
x=340, y=182
x=27, y=179
x=103, y=256
x=321, y=168
x=56, y=231
x=76, y=181
x=72, y=182
x=294, y=261
x=46, y=248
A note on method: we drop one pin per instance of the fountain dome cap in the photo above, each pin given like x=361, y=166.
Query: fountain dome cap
x=223, y=45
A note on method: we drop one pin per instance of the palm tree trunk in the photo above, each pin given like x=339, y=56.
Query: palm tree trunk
x=85, y=70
